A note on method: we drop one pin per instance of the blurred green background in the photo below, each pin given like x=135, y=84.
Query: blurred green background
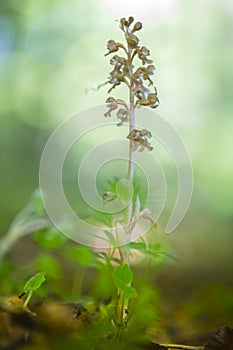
x=52, y=52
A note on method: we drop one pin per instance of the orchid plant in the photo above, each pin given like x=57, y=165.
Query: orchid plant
x=142, y=92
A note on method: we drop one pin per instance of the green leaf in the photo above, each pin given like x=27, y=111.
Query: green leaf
x=158, y=252
x=120, y=233
x=110, y=237
x=37, y=202
x=102, y=217
x=50, y=265
x=34, y=282
x=129, y=292
x=123, y=274
x=140, y=246
x=112, y=184
x=50, y=238
x=124, y=190
x=123, y=277
x=140, y=188
x=83, y=255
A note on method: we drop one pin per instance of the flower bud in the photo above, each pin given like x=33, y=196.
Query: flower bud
x=122, y=23
x=137, y=26
x=130, y=20
x=132, y=41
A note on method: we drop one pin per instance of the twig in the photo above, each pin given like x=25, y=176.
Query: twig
x=183, y=347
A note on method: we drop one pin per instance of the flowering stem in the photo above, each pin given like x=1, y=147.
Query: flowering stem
x=122, y=302
x=139, y=94
x=131, y=152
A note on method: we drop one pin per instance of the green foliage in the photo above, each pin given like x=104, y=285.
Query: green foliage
x=49, y=265
x=104, y=287
x=50, y=238
x=140, y=246
x=155, y=251
x=7, y=277
x=34, y=282
x=123, y=277
x=82, y=255
x=37, y=203
x=139, y=184
x=101, y=217
x=152, y=251
x=110, y=238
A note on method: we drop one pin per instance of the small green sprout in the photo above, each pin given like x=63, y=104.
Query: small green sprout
x=32, y=285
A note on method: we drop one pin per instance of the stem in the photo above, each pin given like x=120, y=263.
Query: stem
x=182, y=347
x=122, y=302
x=120, y=314
x=131, y=154
x=131, y=167
x=123, y=47
x=28, y=298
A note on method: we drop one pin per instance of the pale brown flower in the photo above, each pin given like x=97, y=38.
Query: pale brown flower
x=115, y=78
x=140, y=139
x=151, y=100
x=143, y=52
x=112, y=105
x=139, y=89
x=112, y=46
x=117, y=61
x=123, y=115
x=144, y=73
